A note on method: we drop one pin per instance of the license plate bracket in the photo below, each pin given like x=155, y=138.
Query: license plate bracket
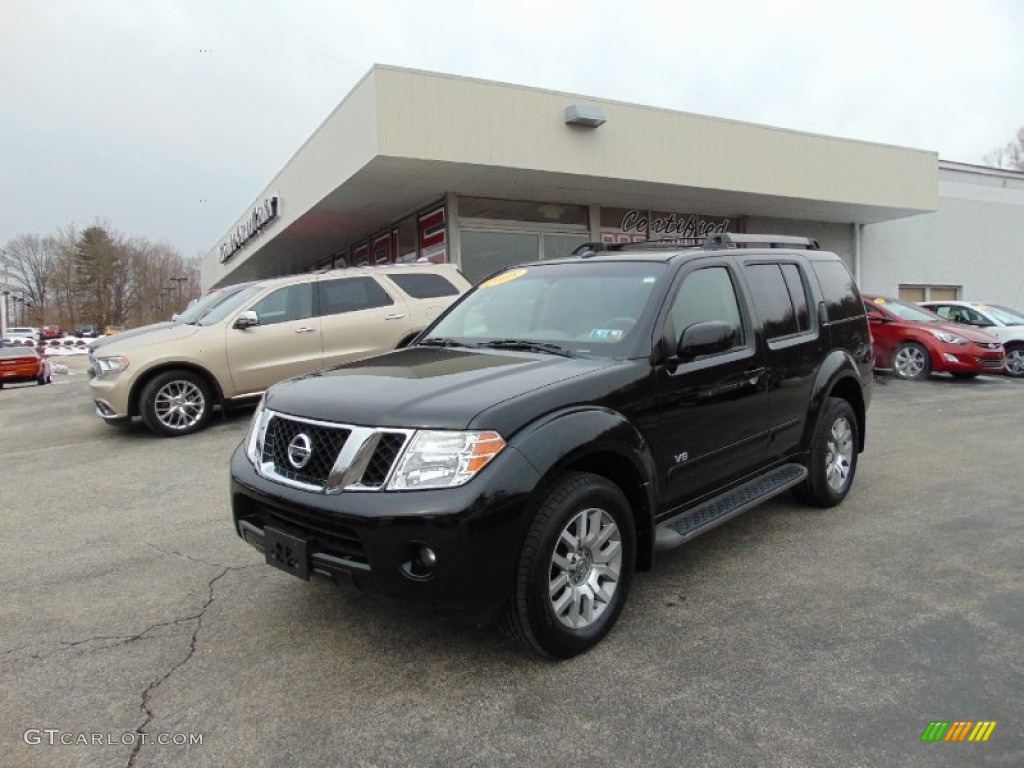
x=287, y=551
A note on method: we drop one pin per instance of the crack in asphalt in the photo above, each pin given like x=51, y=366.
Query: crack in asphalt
x=198, y=619
x=187, y=557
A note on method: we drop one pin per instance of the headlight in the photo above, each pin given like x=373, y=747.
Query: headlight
x=111, y=364
x=949, y=338
x=444, y=459
x=254, y=438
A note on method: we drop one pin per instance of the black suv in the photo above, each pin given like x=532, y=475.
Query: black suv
x=561, y=423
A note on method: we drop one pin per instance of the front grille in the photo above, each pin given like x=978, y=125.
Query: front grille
x=986, y=363
x=384, y=456
x=324, y=445
x=989, y=344
x=325, y=456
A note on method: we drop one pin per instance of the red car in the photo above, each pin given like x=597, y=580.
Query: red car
x=19, y=363
x=914, y=342
x=48, y=332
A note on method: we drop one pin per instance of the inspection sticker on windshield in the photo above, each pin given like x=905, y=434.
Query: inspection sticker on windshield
x=879, y=300
x=606, y=334
x=504, y=277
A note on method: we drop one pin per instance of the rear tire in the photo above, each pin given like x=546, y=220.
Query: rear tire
x=575, y=568
x=176, y=403
x=832, y=462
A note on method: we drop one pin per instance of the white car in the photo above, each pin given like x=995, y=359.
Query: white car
x=21, y=333
x=1004, y=323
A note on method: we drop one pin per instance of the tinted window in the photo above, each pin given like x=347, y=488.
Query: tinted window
x=425, y=286
x=707, y=294
x=842, y=300
x=771, y=298
x=798, y=294
x=350, y=294
x=293, y=302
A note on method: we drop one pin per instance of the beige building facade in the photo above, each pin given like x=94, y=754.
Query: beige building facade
x=414, y=165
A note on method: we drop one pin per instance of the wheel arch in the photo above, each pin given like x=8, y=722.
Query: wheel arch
x=838, y=376
x=150, y=374
x=601, y=442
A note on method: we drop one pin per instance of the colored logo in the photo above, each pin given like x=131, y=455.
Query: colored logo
x=958, y=730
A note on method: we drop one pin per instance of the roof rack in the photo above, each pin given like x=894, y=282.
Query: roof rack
x=586, y=250
x=733, y=240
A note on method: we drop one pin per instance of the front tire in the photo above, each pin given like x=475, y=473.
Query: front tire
x=1015, y=361
x=576, y=567
x=176, y=403
x=832, y=462
x=911, y=361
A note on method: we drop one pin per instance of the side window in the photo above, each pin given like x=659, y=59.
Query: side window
x=293, y=302
x=975, y=318
x=707, y=294
x=943, y=311
x=842, y=299
x=350, y=294
x=798, y=294
x=424, y=285
x=772, y=301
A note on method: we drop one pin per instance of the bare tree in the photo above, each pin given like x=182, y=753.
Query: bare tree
x=31, y=260
x=1009, y=155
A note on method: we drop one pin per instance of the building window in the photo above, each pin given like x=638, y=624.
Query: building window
x=522, y=210
x=487, y=252
x=912, y=292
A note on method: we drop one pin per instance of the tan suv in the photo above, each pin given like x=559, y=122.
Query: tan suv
x=237, y=341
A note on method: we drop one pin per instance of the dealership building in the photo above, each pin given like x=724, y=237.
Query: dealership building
x=414, y=166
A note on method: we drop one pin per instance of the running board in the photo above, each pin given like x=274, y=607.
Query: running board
x=681, y=528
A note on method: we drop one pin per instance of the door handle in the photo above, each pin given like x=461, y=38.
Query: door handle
x=394, y=317
x=305, y=329
x=754, y=374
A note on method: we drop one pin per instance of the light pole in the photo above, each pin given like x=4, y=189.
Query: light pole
x=6, y=294
x=179, y=281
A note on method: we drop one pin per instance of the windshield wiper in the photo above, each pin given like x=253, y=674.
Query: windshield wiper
x=438, y=341
x=526, y=346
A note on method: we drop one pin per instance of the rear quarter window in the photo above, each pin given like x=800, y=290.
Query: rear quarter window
x=424, y=286
x=842, y=299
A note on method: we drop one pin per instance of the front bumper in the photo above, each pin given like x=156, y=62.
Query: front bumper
x=968, y=358
x=366, y=538
x=110, y=393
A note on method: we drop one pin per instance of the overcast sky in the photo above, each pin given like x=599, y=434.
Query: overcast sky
x=115, y=110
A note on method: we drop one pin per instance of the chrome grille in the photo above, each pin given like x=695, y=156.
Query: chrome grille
x=340, y=456
x=325, y=443
x=986, y=363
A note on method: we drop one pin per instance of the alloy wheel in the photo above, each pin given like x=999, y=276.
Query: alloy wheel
x=179, y=404
x=839, y=454
x=585, y=568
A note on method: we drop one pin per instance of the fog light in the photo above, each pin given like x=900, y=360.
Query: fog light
x=427, y=557
x=418, y=560
x=950, y=357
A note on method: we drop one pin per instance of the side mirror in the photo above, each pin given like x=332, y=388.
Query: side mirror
x=877, y=317
x=705, y=339
x=247, y=319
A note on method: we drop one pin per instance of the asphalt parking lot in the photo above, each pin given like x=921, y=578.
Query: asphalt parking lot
x=787, y=637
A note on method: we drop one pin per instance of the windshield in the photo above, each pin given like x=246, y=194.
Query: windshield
x=577, y=308
x=906, y=311
x=1004, y=315
x=217, y=312
x=205, y=303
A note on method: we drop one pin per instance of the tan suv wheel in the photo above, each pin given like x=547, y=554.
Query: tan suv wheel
x=176, y=403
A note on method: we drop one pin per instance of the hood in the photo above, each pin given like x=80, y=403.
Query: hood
x=146, y=336
x=971, y=334
x=105, y=340
x=439, y=388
